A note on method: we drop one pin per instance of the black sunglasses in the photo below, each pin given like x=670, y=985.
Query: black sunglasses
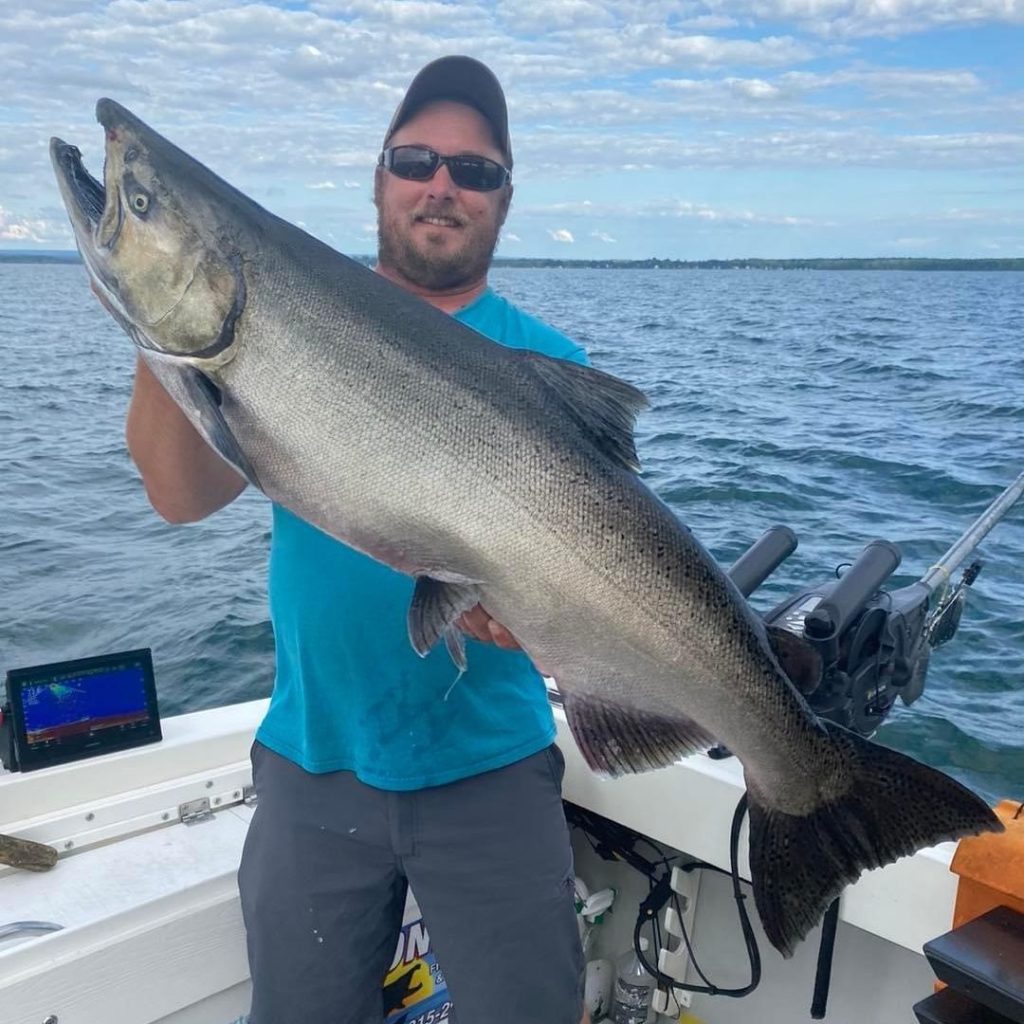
x=420, y=163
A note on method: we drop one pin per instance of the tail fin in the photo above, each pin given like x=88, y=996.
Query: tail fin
x=894, y=807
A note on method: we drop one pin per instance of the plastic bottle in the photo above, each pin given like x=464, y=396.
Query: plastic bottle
x=634, y=988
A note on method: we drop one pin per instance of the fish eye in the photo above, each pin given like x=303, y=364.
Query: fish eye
x=140, y=202
x=130, y=155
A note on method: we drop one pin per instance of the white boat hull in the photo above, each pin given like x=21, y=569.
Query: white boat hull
x=152, y=931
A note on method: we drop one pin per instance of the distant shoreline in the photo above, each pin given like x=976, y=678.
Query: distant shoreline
x=851, y=263
x=838, y=263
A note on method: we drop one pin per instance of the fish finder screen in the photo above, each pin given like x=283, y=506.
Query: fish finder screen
x=79, y=708
x=86, y=703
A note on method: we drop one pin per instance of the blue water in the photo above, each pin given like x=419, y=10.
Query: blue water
x=848, y=405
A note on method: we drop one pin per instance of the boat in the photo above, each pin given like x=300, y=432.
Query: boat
x=139, y=921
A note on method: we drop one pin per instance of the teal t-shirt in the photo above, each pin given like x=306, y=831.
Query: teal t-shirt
x=350, y=692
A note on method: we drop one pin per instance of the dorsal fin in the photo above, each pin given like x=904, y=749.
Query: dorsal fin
x=604, y=406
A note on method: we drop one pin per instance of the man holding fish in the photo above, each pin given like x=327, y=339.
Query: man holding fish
x=374, y=766
x=480, y=487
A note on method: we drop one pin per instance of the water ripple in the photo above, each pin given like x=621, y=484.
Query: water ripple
x=847, y=405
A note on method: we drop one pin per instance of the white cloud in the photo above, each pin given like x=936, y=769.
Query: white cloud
x=33, y=230
x=284, y=98
x=707, y=23
x=709, y=51
x=705, y=212
x=786, y=94
x=309, y=62
x=509, y=237
x=884, y=81
x=410, y=14
x=660, y=207
x=859, y=18
x=602, y=236
x=753, y=88
x=790, y=147
x=988, y=216
x=527, y=16
x=561, y=235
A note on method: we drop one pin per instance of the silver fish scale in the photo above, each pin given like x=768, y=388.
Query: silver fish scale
x=412, y=438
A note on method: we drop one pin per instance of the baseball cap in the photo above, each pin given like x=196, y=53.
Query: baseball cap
x=465, y=80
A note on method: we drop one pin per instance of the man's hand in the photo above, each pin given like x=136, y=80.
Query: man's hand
x=478, y=624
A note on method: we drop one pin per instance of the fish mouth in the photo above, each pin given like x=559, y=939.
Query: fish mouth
x=85, y=197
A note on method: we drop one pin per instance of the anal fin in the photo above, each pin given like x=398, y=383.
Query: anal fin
x=619, y=740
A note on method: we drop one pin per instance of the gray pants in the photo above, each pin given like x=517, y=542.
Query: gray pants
x=323, y=880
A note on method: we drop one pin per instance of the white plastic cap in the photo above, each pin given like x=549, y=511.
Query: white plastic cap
x=597, y=903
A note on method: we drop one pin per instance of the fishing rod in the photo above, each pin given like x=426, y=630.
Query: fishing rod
x=944, y=620
x=940, y=573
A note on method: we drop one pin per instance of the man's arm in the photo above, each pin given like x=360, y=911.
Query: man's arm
x=185, y=479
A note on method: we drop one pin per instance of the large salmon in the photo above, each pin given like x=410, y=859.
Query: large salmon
x=494, y=476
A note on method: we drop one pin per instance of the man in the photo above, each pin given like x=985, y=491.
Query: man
x=376, y=768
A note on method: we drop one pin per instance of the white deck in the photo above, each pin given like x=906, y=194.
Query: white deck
x=152, y=929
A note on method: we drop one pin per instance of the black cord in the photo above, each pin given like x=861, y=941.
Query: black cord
x=615, y=842
x=648, y=912
x=689, y=948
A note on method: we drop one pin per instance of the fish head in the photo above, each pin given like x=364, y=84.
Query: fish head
x=160, y=245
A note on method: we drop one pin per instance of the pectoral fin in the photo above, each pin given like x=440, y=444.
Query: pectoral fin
x=436, y=606
x=202, y=401
x=208, y=399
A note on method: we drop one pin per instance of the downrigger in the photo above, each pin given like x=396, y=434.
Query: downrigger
x=874, y=644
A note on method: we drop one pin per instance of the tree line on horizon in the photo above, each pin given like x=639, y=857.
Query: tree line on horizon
x=655, y=263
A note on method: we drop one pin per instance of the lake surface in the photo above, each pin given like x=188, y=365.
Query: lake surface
x=848, y=405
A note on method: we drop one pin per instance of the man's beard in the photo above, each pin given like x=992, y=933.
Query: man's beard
x=436, y=271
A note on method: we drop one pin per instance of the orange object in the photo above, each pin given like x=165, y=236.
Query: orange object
x=991, y=867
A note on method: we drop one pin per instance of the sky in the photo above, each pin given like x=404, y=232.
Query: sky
x=686, y=130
